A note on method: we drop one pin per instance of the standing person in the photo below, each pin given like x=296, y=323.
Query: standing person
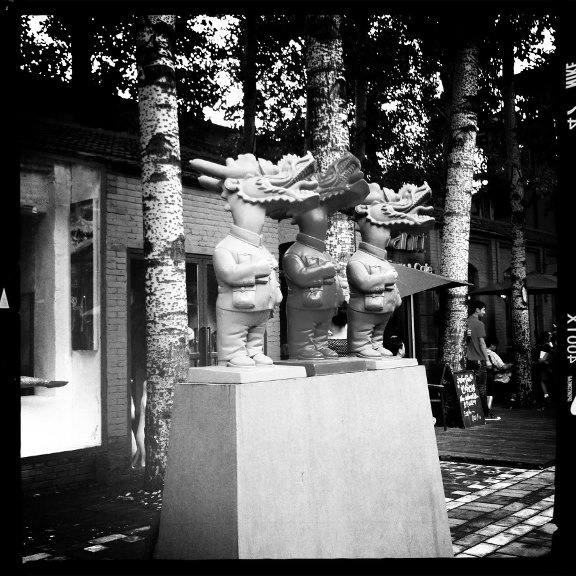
x=543, y=365
x=477, y=353
x=138, y=371
x=502, y=371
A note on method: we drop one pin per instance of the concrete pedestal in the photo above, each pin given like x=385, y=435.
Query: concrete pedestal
x=390, y=362
x=338, y=466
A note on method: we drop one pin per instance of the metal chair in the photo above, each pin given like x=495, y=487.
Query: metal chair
x=437, y=394
x=339, y=345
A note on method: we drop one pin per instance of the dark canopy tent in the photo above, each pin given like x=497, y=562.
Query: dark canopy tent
x=411, y=281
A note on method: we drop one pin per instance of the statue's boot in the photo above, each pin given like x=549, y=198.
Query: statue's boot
x=368, y=353
x=301, y=341
x=384, y=352
x=310, y=353
x=328, y=353
x=321, y=344
x=240, y=362
x=262, y=360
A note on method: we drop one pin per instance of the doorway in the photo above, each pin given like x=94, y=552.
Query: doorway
x=201, y=294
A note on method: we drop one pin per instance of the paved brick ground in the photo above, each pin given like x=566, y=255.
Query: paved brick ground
x=493, y=511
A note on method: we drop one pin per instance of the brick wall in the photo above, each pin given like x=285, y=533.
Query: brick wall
x=206, y=223
x=57, y=472
x=33, y=184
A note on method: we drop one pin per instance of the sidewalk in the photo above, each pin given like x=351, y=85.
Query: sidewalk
x=494, y=511
x=499, y=512
x=522, y=438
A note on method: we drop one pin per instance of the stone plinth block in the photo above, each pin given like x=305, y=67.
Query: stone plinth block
x=323, y=367
x=338, y=466
x=392, y=362
x=228, y=375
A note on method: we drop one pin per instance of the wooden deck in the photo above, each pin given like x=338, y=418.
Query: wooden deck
x=523, y=438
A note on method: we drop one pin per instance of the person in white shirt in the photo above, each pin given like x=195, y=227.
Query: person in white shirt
x=501, y=371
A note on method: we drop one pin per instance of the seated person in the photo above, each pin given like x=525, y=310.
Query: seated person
x=337, y=334
x=396, y=345
x=501, y=371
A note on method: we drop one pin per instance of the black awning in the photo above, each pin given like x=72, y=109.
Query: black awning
x=411, y=281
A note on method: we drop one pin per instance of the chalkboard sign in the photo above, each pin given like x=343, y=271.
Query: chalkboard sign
x=468, y=398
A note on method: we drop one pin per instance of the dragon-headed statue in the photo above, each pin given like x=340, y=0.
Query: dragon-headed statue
x=399, y=211
x=374, y=294
x=284, y=189
x=342, y=184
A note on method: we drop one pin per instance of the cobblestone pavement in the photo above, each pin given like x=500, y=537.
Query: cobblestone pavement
x=493, y=511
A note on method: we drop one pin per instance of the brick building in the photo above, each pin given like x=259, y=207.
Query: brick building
x=82, y=280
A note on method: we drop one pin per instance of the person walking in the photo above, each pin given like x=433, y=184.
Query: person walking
x=543, y=364
x=477, y=353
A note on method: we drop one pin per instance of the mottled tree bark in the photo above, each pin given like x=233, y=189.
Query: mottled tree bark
x=520, y=313
x=249, y=84
x=460, y=174
x=166, y=312
x=327, y=135
x=361, y=88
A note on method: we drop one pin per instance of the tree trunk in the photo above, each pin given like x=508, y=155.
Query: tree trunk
x=460, y=174
x=249, y=84
x=520, y=314
x=166, y=311
x=361, y=88
x=327, y=134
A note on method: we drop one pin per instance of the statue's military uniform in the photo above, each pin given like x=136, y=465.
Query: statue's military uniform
x=373, y=299
x=314, y=294
x=244, y=302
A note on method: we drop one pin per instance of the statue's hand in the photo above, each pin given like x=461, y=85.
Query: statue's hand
x=389, y=277
x=329, y=269
x=264, y=268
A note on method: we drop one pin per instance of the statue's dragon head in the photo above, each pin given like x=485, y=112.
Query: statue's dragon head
x=283, y=188
x=401, y=211
x=342, y=184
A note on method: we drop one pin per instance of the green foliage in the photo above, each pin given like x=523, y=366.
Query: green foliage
x=46, y=49
x=536, y=106
x=280, y=80
x=403, y=97
x=203, y=53
x=406, y=61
